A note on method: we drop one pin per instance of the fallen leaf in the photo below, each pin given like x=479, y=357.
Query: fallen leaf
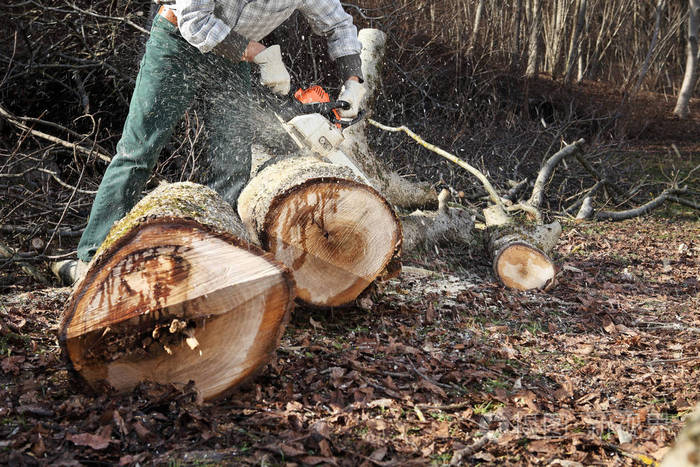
x=623, y=436
x=39, y=448
x=540, y=445
x=143, y=432
x=564, y=463
x=378, y=454
x=132, y=459
x=430, y=314
x=609, y=326
x=382, y=403
x=325, y=448
x=484, y=456
x=292, y=450
x=315, y=460
x=98, y=441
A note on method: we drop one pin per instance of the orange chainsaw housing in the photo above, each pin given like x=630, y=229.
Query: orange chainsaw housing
x=315, y=94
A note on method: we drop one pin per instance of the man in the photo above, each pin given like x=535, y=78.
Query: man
x=205, y=48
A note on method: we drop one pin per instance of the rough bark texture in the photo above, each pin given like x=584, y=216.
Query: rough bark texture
x=533, y=55
x=175, y=294
x=336, y=234
x=686, y=450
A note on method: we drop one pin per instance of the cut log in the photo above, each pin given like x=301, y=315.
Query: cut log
x=520, y=252
x=176, y=294
x=336, y=234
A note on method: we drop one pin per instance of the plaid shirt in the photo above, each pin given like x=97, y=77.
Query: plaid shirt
x=206, y=23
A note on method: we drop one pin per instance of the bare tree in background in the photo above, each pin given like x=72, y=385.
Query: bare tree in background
x=555, y=37
x=477, y=22
x=533, y=56
x=576, y=39
x=516, y=31
x=660, y=6
x=691, y=64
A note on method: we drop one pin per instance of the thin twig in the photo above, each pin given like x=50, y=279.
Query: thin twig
x=10, y=118
x=54, y=175
x=63, y=214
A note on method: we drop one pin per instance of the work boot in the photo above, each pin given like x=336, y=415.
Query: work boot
x=69, y=271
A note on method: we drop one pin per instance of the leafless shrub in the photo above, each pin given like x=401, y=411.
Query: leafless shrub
x=67, y=69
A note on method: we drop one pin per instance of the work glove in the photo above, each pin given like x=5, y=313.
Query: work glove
x=273, y=73
x=352, y=92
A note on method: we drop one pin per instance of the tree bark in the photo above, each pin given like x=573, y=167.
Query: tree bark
x=517, y=21
x=555, y=47
x=575, y=45
x=690, y=77
x=176, y=294
x=652, y=46
x=475, y=27
x=533, y=56
x=335, y=233
x=446, y=226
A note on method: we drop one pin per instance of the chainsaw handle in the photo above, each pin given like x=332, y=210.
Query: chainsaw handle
x=346, y=123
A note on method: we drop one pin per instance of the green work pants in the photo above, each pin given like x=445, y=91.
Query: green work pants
x=171, y=74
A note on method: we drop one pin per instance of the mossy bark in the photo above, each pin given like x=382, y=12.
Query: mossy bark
x=183, y=200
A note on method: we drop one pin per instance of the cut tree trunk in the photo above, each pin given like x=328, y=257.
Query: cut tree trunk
x=397, y=190
x=336, y=234
x=520, y=252
x=176, y=294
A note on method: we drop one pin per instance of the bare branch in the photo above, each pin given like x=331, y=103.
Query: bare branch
x=89, y=151
x=493, y=195
x=641, y=210
x=547, y=169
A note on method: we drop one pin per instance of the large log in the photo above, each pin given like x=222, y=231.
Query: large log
x=336, y=234
x=176, y=294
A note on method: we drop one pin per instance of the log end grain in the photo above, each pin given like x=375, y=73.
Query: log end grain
x=522, y=266
x=172, y=300
x=337, y=236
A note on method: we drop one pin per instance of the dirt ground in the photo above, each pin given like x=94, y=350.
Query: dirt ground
x=441, y=367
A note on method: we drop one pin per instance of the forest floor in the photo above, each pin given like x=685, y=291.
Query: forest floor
x=436, y=367
x=440, y=366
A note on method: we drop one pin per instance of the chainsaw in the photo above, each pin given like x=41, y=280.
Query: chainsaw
x=313, y=122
